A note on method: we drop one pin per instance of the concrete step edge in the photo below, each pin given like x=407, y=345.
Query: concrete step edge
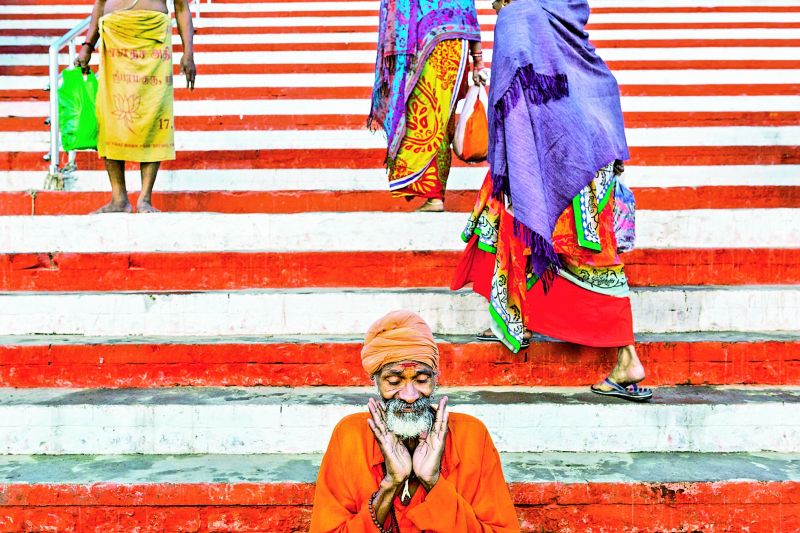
x=733, y=337
x=323, y=398
x=302, y=468
x=240, y=420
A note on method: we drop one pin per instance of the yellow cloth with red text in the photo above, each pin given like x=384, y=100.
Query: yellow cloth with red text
x=135, y=93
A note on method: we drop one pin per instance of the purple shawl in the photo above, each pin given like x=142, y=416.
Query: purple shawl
x=408, y=32
x=554, y=115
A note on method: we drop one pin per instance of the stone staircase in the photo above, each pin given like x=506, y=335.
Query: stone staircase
x=183, y=371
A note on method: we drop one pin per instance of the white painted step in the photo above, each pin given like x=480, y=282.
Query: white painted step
x=300, y=20
x=461, y=178
x=757, y=309
x=366, y=5
x=30, y=141
x=542, y=467
x=711, y=34
x=277, y=420
x=365, y=231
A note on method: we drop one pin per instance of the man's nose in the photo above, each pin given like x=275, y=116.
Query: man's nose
x=409, y=393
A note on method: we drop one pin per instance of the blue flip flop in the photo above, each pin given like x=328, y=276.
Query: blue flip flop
x=632, y=392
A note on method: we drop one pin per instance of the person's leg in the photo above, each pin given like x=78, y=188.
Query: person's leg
x=432, y=205
x=442, y=162
x=119, y=194
x=444, y=158
x=422, y=162
x=149, y=172
x=627, y=371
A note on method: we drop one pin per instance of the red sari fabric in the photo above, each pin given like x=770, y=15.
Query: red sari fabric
x=567, y=311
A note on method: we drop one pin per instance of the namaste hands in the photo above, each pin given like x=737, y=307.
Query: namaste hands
x=427, y=459
x=395, y=453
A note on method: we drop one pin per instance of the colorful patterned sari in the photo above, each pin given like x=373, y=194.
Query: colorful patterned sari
x=588, y=301
x=422, y=163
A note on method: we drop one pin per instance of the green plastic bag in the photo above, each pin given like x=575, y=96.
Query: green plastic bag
x=77, y=118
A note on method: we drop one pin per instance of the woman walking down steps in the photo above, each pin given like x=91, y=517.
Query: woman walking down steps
x=541, y=238
x=420, y=74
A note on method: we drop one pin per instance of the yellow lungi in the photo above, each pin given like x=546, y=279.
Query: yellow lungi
x=135, y=93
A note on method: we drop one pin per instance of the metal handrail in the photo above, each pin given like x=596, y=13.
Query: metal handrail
x=55, y=138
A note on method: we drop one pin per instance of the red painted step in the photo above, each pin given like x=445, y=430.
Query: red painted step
x=373, y=158
x=276, y=508
x=328, y=122
x=100, y=363
x=673, y=198
x=238, y=271
x=231, y=68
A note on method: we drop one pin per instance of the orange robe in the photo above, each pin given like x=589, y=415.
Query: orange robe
x=471, y=494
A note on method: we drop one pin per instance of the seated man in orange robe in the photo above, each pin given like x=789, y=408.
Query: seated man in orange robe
x=408, y=465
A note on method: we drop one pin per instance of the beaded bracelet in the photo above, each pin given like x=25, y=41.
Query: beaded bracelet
x=373, y=515
x=87, y=43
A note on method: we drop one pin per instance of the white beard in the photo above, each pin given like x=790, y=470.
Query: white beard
x=408, y=425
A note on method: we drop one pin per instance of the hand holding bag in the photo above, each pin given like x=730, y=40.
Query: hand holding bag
x=471, y=139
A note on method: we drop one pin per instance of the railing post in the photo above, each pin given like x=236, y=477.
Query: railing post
x=72, y=155
x=55, y=137
x=55, y=133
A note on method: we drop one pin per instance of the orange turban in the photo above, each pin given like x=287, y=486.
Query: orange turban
x=399, y=336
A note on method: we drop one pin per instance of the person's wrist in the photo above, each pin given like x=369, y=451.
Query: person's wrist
x=429, y=482
x=389, y=483
x=373, y=514
x=90, y=45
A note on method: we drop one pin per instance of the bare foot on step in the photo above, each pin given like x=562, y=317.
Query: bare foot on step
x=433, y=205
x=114, y=207
x=145, y=207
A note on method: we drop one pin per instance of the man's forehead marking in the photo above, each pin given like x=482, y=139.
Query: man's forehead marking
x=408, y=365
